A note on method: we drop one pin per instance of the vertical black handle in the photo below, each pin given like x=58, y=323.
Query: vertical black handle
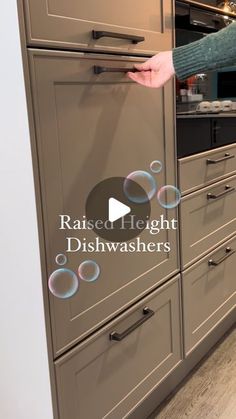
x=216, y=128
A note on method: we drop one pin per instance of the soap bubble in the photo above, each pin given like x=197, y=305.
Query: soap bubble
x=89, y=271
x=61, y=259
x=63, y=283
x=145, y=193
x=169, y=196
x=156, y=166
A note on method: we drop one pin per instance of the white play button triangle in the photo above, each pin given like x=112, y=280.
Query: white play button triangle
x=117, y=210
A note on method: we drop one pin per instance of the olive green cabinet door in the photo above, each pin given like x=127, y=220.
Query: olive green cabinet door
x=104, y=378
x=121, y=26
x=89, y=128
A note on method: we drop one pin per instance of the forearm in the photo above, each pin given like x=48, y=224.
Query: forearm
x=214, y=51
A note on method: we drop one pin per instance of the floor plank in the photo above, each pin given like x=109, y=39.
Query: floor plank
x=209, y=392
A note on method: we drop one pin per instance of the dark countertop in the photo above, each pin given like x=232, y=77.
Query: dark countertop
x=206, y=115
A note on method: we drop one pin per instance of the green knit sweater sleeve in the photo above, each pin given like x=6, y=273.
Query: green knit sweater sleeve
x=214, y=51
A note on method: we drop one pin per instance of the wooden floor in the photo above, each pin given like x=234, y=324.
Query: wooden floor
x=210, y=391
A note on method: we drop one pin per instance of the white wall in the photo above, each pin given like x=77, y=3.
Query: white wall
x=24, y=376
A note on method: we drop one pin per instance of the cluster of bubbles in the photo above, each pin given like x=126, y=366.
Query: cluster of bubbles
x=168, y=196
x=64, y=283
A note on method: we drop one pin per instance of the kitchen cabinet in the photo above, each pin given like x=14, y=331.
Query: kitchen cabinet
x=104, y=378
x=207, y=218
x=207, y=182
x=124, y=26
x=117, y=339
x=202, y=169
x=89, y=128
x=209, y=293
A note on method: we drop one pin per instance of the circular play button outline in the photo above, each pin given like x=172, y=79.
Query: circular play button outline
x=108, y=195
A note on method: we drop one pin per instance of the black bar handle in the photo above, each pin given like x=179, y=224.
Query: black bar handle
x=99, y=69
x=228, y=252
x=227, y=156
x=227, y=190
x=216, y=128
x=133, y=38
x=147, y=312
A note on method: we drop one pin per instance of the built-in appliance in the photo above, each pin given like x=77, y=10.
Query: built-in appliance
x=194, y=20
x=206, y=102
x=226, y=84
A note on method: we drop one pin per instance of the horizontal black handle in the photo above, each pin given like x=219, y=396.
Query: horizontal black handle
x=227, y=156
x=147, y=312
x=99, y=69
x=133, y=38
x=228, y=252
x=227, y=190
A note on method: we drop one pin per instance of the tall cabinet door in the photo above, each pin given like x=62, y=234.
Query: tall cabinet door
x=121, y=26
x=89, y=128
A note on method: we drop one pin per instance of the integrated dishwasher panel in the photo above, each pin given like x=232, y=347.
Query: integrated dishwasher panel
x=91, y=127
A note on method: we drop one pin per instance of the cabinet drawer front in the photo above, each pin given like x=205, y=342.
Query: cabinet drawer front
x=208, y=217
x=89, y=128
x=205, y=168
x=70, y=24
x=209, y=293
x=107, y=379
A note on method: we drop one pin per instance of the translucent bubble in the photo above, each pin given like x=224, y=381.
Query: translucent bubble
x=63, y=283
x=156, y=166
x=61, y=259
x=89, y=271
x=169, y=196
x=145, y=193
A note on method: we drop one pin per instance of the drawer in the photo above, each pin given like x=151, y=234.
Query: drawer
x=119, y=26
x=89, y=128
x=207, y=217
x=209, y=293
x=104, y=378
x=205, y=168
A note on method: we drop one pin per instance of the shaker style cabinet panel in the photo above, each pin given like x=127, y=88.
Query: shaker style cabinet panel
x=209, y=293
x=208, y=217
x=120, y=26
x=104, y=378
x=91, y=127
x=205, y=168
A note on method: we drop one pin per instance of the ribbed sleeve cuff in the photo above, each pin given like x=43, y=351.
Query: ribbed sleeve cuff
x=189, y=60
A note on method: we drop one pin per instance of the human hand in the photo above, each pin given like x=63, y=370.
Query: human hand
x=156, y=71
